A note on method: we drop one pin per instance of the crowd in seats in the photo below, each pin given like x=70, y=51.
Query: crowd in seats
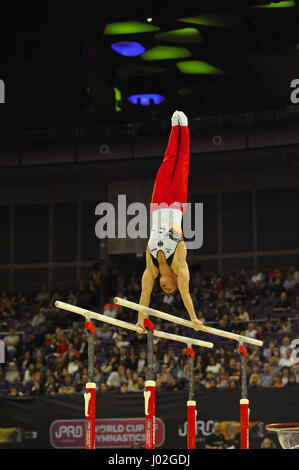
x=47, y=349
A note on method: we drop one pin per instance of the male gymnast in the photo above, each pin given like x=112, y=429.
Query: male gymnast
x=166, y=250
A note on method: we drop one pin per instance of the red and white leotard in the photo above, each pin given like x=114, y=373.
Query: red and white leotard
x=169, y=197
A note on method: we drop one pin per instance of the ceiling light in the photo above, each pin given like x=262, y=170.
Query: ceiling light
x=166, y=52
x=217, y=20
x=145, y=99
x=128, y=48
x=185, y=35
x=198, y=67
x=129, y=27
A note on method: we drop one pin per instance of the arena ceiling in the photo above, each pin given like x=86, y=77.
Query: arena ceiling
x=206, y=57
x=219, y=57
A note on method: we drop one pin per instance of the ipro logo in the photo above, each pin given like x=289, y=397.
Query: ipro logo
x=2, y=352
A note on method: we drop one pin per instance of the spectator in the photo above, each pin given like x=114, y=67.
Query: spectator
x=254, y=380
x=251, y=330
x=120, y=338
x=266, y=375
x=73, y=365
x=207, y=379
x=116, y=378
x=268, y=350
x=98, y=377
x=110, y=309
x=283, y=304
x=14, y=392
x=183, y=375
x=133, y=383
x=132, y=359
x=29, y=372
x=260, y=335
x=83, y=349
x=286, y=342
x=11, y=342
x=164, y=374
x=223, y=381
x=257, y=276
x=289, y=283
x=171, y=384
x=213, y=366
x=140, y=384
x=110, y=365
x=269, y=329
x=51, y=385
x=291, y=380
x=39, y=318
x=104, y=332
x=141, y=363
x=170, y=355
x=43, y=295
x=285, y=374
x=268, y=444
x=7, y=310
x=284, y=325
x=62, y=343
x=274, y=362
x=216, y=439
x=72, y=298
x=242, y=314
x=233, y=384
x=222, y=356
x=287, y=361
x=36, y=388
x=124, y=388
x=67, y=387
x=276, y=381
x=12, y=374
x=254, y=357
x=82, y=386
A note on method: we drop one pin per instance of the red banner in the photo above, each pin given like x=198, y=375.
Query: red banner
x=120, y=433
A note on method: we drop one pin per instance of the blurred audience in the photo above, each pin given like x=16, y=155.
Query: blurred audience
x=47, y=350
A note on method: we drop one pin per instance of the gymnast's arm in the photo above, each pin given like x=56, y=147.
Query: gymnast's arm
x=183, y=278
x=147, y=284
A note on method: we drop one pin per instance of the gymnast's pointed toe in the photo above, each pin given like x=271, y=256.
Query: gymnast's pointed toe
x=182, y=118
x=174, y=119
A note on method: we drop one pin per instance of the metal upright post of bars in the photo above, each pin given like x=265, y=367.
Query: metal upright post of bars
x=244, y=402
x=150, y=387
x=191, y=404
x=89, y=395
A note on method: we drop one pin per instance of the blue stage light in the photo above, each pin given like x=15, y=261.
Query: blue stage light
x=145, y=99
x=128, y=48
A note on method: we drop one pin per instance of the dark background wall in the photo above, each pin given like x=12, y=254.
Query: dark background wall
x=48, y=216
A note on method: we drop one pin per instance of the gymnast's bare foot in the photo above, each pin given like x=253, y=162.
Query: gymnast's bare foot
x=174, y=119
x=183, y=120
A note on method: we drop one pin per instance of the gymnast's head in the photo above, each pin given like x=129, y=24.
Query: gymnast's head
x=169, y=283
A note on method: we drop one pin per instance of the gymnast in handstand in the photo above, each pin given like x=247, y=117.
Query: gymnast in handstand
x=166, y=250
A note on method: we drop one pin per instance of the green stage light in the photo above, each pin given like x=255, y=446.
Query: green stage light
x=149, y=20
x=199, y=67
x=118, y=99
x=129, y=27
x=217, y=20
x=166, y=52
x=185, y=35
x=287, y=4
